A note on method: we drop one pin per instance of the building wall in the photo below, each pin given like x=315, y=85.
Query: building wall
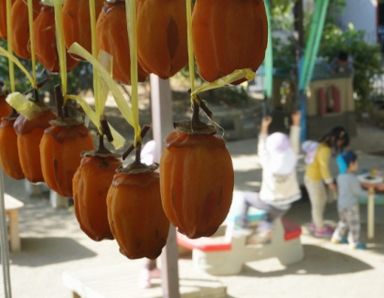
x=363, y=15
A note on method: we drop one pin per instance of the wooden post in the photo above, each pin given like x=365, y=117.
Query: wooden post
x=371, y=213
x=162, y=124
x=14, y=230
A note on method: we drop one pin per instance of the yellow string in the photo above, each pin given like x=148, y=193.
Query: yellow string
x=96, y=87
x=23, y=105
x=237, y=75
x=32, y=40
x=130, y=10
x=11, y=68
x=57, y=4
x=14, y=60
x=122, y=104
x=118, y=139
x=191, y=63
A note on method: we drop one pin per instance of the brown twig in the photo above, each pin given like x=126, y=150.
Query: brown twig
x=106, y=130
x=132, y=147
x=59, y=101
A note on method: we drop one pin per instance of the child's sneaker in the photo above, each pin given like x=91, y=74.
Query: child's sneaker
x=324, y=232
x=311, y=227
x=342, y=240
x=358, y=245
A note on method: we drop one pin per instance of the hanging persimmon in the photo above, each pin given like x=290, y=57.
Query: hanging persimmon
x=29, y=133
x=20, y=27
x=45, y=41
x=196, y=179
x=5, y=108
x=76, y=22
x=228, y=35
x=3, y=18
x=9, y=157
x=90, y=187
x=112, y=37
x=135, y=215
x=60, y=153
x=162, y=36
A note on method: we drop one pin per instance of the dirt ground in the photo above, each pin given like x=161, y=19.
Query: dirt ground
x=53, y=243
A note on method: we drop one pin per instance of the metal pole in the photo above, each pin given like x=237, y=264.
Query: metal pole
x=268, y=65
x=162, y=124
x=4, y=242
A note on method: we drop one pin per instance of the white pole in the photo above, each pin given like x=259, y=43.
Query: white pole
x=162, y=124
x=371, y=213
x=4, y=242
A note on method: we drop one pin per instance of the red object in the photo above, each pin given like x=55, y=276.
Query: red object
x=291, y=231
x=328, y=100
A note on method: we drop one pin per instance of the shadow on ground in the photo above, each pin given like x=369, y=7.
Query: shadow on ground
x=317, y=261
x=60, y=249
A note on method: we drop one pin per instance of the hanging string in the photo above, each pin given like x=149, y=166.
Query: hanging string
x=96, y=86
x=130, y=9
x=57, y=4
x=191, y=62
x=11, y=67
x=32, y=42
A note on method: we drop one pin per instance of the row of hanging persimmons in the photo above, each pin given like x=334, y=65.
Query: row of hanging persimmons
x=134, y=204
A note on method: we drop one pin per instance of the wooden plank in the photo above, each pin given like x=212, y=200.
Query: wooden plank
x=12, y=207
x=11, y=203
x=14, y=229
x=122, y=281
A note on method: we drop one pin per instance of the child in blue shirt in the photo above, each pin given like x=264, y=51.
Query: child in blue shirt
x=349, y=190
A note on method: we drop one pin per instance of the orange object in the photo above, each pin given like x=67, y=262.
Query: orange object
x=135, y=215
x=20, y=27
x=76, y=22
x=5, y=108
x=3, y=18
x=29, y=134
x=162, y=36
x=9, y=157
x=90, y=187
x=228, y=35
x=60, y=154
x=112, y=37
x=197, y=179
x=45, y=41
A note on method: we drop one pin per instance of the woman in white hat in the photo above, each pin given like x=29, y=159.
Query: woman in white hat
x=278, y=155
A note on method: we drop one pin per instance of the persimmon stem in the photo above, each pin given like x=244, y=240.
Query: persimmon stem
x=106, y=130
x=204, y=107
x=102, y=149
x=199, y=103
x=59, y=101
x=132, y=147
x=138, y=154
x=39, y=85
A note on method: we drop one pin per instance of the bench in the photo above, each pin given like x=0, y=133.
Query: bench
x=227, y=250
x=116, y=281
x=12, y=207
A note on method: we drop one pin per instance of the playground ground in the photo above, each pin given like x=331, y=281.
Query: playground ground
x=53, y=243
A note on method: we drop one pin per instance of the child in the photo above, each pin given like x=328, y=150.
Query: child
x=341, y=145
x=317, y=174
x=348, y=204
x=279, y=188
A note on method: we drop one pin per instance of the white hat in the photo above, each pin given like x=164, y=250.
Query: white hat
x=282, y=158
